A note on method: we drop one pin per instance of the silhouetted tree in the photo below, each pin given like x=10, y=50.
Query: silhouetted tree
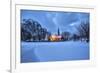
x=32, y=31
x=83, y=30
x=65, y=35
x=75, y=37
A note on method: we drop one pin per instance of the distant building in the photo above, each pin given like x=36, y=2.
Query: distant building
x=56, y=37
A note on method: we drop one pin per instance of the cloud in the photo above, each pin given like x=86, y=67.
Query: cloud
x=83, y=17
x=75, y=23
x=55, y=20
x=64, y=21
x=50, y=20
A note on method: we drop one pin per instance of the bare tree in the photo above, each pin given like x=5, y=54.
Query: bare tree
x=65, y=35
x=83, y=30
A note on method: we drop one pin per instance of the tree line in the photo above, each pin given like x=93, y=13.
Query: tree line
x=33, y=31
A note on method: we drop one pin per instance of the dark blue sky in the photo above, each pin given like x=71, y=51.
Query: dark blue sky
x=65, y=21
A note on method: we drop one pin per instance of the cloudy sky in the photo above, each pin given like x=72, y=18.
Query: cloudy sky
x=65, y=21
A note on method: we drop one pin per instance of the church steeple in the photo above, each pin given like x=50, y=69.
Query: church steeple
x=58, y=31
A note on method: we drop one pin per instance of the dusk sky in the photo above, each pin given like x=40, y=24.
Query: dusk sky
x=65, y=21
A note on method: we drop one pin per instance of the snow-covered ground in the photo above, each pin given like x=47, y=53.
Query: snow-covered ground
x=54, y=51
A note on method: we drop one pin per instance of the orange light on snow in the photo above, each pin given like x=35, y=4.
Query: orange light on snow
x=55, y=38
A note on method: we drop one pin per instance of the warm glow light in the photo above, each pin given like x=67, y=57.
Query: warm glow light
x=55, y=38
